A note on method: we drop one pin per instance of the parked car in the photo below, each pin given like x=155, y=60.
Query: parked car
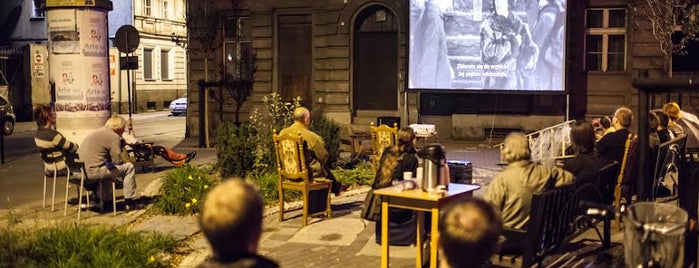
x=7, y=115
x=179, y=106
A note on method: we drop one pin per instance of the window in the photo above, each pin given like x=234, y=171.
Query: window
x=165, y=65
x=605, y=42
x=238, y=54
x=147, y=64
x=164, y=12
x=146, y=7
x=37, y=12
x=295, y=61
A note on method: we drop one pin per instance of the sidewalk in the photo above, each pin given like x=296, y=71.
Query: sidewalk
x=343, y=241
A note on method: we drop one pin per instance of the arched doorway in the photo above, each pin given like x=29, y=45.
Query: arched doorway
x=375, y=60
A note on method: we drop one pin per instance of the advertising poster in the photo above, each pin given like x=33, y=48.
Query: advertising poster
x=97, y=87
x=93, y=27
x=487, y=44
x=69, y=94
x=63, y=31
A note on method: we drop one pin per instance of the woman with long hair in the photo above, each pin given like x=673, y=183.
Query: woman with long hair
x=585, y=164
x=395, y=160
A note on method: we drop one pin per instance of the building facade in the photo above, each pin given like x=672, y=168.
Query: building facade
x=348, y=58
x=161, y=74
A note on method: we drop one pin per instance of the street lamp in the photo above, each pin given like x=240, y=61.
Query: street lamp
x=178, y=40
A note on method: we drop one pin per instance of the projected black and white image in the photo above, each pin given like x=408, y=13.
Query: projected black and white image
x=487, y=44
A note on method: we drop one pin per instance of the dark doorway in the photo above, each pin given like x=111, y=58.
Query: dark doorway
x=375, y=80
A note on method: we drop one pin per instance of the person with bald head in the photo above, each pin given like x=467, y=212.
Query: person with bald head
x=231, y=220
x=316, y=146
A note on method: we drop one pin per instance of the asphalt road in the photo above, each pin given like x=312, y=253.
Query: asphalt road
x=21, y=179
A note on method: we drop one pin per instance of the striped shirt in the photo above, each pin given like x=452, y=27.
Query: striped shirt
x=53, y=147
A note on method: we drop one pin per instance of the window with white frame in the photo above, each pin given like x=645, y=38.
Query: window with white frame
x=164, y=9
x=147, y=7
x=165, y=68
x=148, y=64
x=605, y=40
x=238, y=46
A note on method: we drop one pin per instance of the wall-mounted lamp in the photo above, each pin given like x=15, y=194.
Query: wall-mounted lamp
x=179, y=40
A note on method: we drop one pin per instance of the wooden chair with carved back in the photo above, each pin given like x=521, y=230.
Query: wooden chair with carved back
x=381, y=137
x=294, y=174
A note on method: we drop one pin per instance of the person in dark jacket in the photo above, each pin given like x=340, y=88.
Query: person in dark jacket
x=231, y=220
x=613, y=145
x=394, y=161
x=585, y=164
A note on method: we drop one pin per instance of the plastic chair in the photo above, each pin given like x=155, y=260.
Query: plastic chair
x=294, y=173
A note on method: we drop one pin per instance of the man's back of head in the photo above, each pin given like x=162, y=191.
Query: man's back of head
x=231, y=218
x=469, y=233
x=623, y=116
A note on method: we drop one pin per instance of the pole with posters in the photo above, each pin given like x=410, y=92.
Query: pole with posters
x=78, y=45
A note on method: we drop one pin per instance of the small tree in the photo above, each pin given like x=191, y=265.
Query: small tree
x=239, y=81
x=663, y=20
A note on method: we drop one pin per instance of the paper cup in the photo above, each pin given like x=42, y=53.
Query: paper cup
x=408, y=175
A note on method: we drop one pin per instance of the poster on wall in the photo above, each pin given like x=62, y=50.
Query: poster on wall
x=92, y=26
x=63, y=32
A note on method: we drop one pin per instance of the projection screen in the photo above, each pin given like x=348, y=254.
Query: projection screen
x=487, y=45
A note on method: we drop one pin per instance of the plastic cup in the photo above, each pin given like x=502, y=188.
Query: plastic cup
x=408, y=175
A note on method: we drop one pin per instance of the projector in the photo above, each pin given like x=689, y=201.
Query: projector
x=423, y=130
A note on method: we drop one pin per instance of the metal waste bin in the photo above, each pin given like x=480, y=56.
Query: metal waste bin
x=654, y=235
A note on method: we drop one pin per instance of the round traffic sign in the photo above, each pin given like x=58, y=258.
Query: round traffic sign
x=127, y=39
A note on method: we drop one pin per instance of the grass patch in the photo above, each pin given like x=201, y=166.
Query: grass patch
x=84, y=246
x=362, y=174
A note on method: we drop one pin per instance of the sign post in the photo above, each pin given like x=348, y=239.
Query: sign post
x=127, y=39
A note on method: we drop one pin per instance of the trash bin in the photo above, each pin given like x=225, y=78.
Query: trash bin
x=654, y=234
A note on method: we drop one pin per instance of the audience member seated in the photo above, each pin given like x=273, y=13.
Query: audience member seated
x=585, y=164
x=54, y=147
x=394, y=161
x=468, y=234
x=318, y=154
x=101, y=152
x=511, y=190
x=683, y=122
x=612, y=146
x=664, y=134
x=231, y=220
x=129, y=142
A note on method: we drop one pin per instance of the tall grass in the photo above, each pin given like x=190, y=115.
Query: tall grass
x=84, y=246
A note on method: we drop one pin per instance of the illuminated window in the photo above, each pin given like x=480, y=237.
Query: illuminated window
x=605, y=41
x=238, y=46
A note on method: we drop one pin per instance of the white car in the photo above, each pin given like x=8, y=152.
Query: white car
x=179, y=106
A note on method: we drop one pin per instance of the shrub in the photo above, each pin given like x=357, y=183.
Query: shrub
x=362, y=174
x=85, y=246
x=279, y=115
x=182, y=190
x=236, y=146
x=268, y=183
x=329, y=130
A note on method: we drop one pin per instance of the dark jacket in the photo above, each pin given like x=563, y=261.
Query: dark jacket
x=243, y=261
x=612, y=146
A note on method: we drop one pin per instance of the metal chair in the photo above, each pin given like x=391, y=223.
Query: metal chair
x=79, y=166
x=294, y=173
x=55, y=173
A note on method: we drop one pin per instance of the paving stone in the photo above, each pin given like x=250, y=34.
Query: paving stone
x=178, y=227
